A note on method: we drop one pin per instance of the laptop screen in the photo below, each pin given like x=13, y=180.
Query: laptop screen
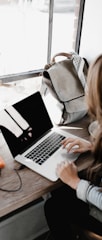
x=36, y=121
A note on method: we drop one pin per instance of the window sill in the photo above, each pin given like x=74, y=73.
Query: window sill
x=13, y=92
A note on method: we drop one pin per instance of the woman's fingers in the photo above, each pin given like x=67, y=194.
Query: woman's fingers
x=62, y=165
x=76, y=145
x=71, y=144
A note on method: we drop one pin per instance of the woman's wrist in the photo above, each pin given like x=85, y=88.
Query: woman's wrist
x=90, y=146
x=74, y=183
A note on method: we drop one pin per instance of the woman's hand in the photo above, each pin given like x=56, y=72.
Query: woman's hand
x=80, y=145
x=67, y=172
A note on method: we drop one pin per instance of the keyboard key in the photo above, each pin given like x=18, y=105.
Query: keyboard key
x=46, y=148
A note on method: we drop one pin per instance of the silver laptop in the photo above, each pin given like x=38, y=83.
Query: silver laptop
x=32, y=138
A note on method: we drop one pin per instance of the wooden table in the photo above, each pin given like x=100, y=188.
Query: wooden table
x=33, y=185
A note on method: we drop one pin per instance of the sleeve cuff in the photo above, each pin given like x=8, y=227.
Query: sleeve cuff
x=81, y=190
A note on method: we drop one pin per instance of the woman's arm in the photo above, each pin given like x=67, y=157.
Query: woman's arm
x=68, y=173
x=89, y=193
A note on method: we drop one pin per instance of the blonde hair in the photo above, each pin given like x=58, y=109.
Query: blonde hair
x=94, y=85
x=94, y=101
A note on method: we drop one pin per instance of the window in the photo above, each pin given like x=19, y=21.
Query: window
x=24, y=33
x=31, y=32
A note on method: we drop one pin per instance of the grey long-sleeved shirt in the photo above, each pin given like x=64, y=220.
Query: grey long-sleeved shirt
x=92, y=195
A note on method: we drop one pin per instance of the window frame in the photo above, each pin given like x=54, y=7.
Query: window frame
x=36, y=73
x=79, y=25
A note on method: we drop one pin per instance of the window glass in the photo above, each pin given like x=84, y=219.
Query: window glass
x=23, y=38
x=24, y=33
x=63, y=26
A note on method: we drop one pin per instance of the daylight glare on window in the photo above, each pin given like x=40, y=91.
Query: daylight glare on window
x=24, y=28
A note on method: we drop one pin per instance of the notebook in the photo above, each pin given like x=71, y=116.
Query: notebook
x=27, y=128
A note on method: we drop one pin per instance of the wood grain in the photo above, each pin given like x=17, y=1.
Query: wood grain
x=33, y=185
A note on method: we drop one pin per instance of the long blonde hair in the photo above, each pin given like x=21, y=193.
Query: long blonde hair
x=94, y=100
x=94, y=85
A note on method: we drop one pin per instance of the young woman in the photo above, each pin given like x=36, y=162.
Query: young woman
x=79, y=201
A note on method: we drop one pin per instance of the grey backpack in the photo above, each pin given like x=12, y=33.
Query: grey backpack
x=63, y=88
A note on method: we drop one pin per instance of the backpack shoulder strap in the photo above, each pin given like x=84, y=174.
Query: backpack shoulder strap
x=81, y=68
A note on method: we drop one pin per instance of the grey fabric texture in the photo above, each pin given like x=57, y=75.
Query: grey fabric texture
x=65, y=80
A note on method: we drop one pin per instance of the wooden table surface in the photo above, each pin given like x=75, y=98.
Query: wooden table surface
x=33, y=185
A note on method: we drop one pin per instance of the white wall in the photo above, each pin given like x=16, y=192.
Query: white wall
x=91, y=38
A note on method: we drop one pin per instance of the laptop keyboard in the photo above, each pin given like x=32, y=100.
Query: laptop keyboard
x=46, y=148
